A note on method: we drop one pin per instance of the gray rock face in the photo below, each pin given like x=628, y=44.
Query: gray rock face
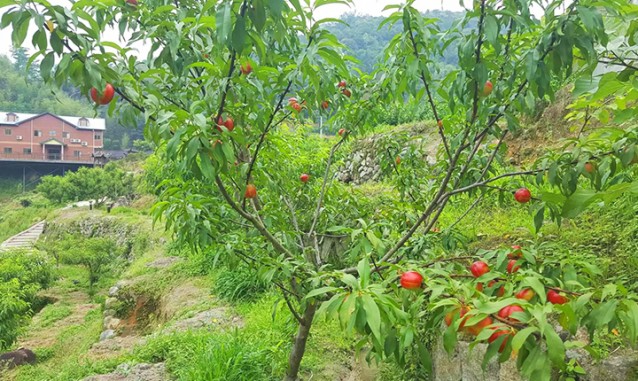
x=110, y=303
x=465, y=365
x=108, y=334
x=113, y=291
x=111, y=323
x=139, y=372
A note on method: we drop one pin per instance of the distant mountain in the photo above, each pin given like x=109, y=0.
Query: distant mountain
x=363, y=36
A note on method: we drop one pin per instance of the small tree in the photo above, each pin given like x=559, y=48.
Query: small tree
x=87, y=184
x=98, y=255
x=213, y=92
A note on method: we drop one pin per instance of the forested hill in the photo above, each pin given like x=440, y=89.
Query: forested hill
x=362, y=35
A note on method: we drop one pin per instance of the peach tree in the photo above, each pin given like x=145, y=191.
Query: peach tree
x=218, y=83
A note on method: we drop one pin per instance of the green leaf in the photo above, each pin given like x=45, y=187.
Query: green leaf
x=426, y=358
x=363, y=268
x=491, y=29
x=224, y=24
x=373, y=315
x=521, y=336
x=46, y=65
x=555, y=346
x=320, y=291
x=239, y=34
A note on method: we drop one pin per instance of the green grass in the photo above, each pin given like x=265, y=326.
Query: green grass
x=15, y=218
x=53, y=313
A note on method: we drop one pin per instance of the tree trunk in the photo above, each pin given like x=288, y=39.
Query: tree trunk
x=299, y=346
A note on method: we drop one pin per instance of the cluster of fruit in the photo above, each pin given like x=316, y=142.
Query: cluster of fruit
x=413, y=280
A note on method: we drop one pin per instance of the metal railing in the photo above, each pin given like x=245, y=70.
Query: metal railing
x=52, y=157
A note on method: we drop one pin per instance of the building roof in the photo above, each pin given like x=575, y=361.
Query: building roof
x=94, y=123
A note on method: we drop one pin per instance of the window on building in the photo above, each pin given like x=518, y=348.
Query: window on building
x=83, y=122
x=66, y=135
x=98, y=136
x=37, y=133
x=26, y=151
x=8, y=150
x=11, y=117
x=52, y=133
x=77, y=153
x=7, y=131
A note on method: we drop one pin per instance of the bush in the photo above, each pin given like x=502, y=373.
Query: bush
x=87, y=184
x=98, y=255
x=22, y=275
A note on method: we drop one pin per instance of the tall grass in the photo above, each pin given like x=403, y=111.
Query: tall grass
x=200, y=356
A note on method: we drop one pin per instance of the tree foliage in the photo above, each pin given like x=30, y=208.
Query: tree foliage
x=87, y=184
x=22, y=275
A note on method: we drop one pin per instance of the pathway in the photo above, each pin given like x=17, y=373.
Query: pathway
x=25, y=239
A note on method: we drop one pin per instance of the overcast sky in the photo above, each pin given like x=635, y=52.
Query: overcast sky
x=363, y=7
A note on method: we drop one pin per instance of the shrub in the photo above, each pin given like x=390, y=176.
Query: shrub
x=22, y=275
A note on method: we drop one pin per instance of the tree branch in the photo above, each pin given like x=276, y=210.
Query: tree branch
x=256, y=223
x=429, y=93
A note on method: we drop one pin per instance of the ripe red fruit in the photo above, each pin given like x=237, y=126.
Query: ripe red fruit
x=523, y=195
x=479, y=268
x=479, y=287
x=342, y=83
x=251, y=191
x=411, y=280
x=512, y=267
x=439, y=123
x=517, y=253
x=500, y=291
x=229, y=123
x=449, y=317
x=296, y=106
x=398, y=160
x=347, y=93
x=105, y=97
x=590, y=167
x=324, y=105
x=341, y=131
x=478, y=327
x=246, y=68
x=498, y=334
x=304, y=177
x=525, y=294
x=487, y=89
x=505, y=312
x=556, y=298
x=292, y=101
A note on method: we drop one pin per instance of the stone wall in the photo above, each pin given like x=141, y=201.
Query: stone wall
x=365, y=163
x=465, y=365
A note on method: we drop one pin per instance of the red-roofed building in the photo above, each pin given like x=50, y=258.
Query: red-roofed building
x=50, y=138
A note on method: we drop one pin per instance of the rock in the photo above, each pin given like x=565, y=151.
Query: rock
x=109, y=313
x=163, y=262
x=113, y=291
x=616, y=368
x=108, y=334
x=139, y=372
x=217, y=317
x=110, y=303
x=111, y=323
